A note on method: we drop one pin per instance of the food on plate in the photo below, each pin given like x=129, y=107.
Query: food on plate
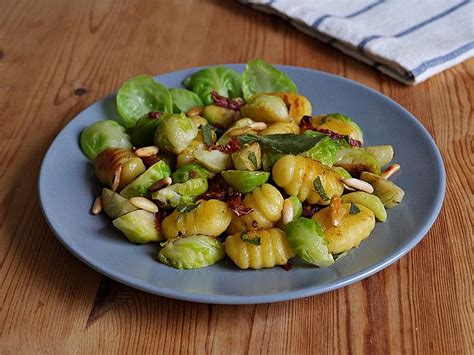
x=238, y=166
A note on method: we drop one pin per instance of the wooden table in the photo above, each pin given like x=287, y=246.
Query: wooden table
x=57, y=57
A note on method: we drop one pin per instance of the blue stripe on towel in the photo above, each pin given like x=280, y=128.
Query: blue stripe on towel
x=368, y=39
x=318, y=21
x=442, y=59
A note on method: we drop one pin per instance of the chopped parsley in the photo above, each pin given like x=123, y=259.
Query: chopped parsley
x=246, y=238
x=354, y=209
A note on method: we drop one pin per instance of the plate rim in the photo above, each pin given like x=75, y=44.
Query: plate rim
x=310, y=290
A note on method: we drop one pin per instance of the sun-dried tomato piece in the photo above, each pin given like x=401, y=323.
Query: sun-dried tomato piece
x=226, y=102
x=309, y=210
x=231, y=147
x=150, y=160
x=236, y=206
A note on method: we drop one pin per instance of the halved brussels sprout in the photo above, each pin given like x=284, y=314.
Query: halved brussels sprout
x=382, y=153
x=269, y=158
x=107, y=163
x=224, y=81
x=182, y=193
x=191, y=252
x=245, y=181
x=260, y=77
x=175, y=132
x=309, y=242
x=191, y=171
x=220, y=116
x=102, y=135
x=213, y=160
x=143, y=133
x=292, y=209
x=138, y=226
x=370, y=201
x=298, y=105
x=388, y=192
x=340, y=124
x=356, y=160
x=139, y=187
x=266, y=108
x=248, y=158
x=114, y=204
x=343, y=173
x=184, y=100
x=140, y=95
x=324, y=151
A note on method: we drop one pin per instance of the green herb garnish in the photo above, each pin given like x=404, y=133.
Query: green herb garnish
x=253, y=159
x=354, y=209
x=185, y=208
x=246, y=238
x=318, y=186
x=283, y=143
x=207, y=134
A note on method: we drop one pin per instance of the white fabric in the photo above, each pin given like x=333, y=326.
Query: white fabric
x=410, y=40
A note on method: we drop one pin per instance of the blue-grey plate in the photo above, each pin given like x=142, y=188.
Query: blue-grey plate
x=67, y=189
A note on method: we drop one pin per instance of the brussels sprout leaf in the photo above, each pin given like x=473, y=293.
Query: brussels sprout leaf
x=207, y=134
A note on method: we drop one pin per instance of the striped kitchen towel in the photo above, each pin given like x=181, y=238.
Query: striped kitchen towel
x=410, y=40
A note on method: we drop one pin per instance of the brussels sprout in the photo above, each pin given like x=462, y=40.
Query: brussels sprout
x=184, y=100
x=182, y=193
x=102, y=135
x=370, y=201
x=220, y=116
x=213, y=160
x=343, y=173
x=262, y=77
x=308, y=240
x=339, y=124
x=389, y=193
x=192, y=252
x=140, y=95
x=114, y=204
x=245, y=181
x=292, y=209
x=138, y=226
x=298, y=105
x=107, y=163
x=266, y=108
x=174, y=133
x=143, y=134
x=269, y=158
x=382, y=153
x=243, y=122
x=224, y=81
x=248, y=158
x=323, y=151
x=139, y=187
x=355, y=160
x=191, y=171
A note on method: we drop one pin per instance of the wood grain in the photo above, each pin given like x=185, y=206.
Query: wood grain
x=57, y=57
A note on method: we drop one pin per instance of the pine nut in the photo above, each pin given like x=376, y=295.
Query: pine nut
x=160, y=184
x=358, y=185
x=116, y=179
x=288, y=213
x=392, y=169
x=144, y=204
x=335, y=210
x=258, y=126
x=195, y=111
x=97, y=206
x=146, y=151
x=239, y=131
